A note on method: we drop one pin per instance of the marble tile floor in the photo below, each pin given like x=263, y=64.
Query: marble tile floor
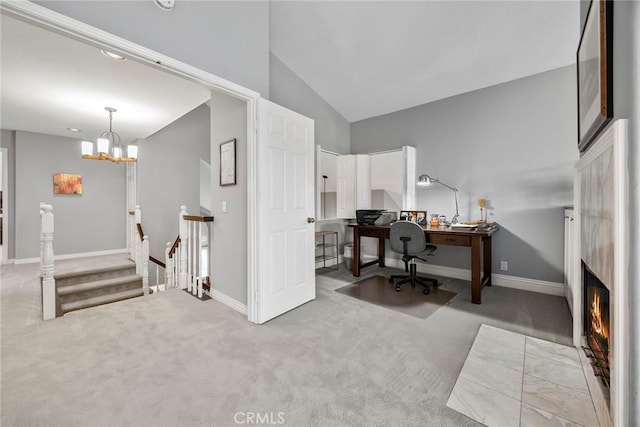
x=511, y=379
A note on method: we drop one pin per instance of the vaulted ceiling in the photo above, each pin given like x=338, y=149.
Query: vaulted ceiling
x=364, y=58
x=372, y=58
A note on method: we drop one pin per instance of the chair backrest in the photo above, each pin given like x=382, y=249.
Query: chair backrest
x=416, y=245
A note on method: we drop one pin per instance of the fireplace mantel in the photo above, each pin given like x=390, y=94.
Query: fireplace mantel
x=601, y=198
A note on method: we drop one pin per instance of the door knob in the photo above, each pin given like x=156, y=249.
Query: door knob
x=311, y=220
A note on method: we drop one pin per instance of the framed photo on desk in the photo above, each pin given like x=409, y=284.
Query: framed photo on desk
x=419, y=217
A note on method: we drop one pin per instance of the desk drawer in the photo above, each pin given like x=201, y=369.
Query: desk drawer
x=441, y=239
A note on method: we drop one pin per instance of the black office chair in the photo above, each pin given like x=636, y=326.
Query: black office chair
x=408, y=238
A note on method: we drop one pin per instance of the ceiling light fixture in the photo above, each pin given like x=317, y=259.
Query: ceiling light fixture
x=112, y=55
x=74, y=130
x=425, y=181
x=109, y=146
x=166, y=5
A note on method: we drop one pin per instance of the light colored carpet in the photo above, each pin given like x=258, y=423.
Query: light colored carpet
x=412, y=301
x=171, y=360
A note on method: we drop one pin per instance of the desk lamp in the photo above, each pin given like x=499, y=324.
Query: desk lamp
x=426, y=180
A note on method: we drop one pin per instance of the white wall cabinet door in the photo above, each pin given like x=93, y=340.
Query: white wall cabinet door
x=353, y=184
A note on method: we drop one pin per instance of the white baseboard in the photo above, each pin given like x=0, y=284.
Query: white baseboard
x=514, y=282
x=73, y=256
x=229, y=302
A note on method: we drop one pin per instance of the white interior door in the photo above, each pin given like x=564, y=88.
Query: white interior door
x=285, y=210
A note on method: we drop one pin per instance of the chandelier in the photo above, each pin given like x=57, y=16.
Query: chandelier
x=109, y=146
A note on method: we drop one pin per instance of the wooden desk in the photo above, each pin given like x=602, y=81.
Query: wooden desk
x=479, y=241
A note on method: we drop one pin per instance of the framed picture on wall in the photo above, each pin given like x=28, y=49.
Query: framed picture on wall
x=228, y=162
x=66, y=183
x=595, y=72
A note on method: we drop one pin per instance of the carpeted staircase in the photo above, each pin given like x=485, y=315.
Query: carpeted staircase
x=97, y=286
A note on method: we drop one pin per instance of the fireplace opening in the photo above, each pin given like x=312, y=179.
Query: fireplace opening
x=596, y=324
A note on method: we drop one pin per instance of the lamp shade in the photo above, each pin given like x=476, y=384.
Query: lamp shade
x=103, y=145
x=132, y=151
x=117, y=151
x=87, y=148
x=424, y=181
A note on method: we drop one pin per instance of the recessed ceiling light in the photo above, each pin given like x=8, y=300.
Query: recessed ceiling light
x=165, y=5
x=74, y=130
x=112, y=55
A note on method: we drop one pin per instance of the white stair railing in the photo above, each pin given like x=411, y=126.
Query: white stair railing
x=46, y=261
x=190, y=262
x=145, y=264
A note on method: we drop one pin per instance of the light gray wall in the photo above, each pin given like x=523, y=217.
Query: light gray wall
x=93, y=221
x=332, y=131
x=8, y=141
x=229, y=236
x=513, y=144
x=227, y=38
x=169, y=176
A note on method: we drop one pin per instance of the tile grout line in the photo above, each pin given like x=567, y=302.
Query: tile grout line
x=524, y=357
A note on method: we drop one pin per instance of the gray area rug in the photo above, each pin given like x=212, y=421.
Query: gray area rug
x=377, y=290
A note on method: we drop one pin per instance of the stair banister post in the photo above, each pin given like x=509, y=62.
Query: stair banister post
x=137, y=247
x=168, y=279
x=41, y=240
x=48, y=280
x=184, y=241
x=194, y=257
x=145, y=265
x=200, y=277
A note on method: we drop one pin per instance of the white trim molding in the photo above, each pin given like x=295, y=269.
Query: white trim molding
x=232, y=303
x=502, y=280
x=73, y=256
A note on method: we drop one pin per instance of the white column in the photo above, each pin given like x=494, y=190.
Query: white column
x=145, y=265
x=48, y=280
x=131, y=194
x=184, y=241
x=41, y=240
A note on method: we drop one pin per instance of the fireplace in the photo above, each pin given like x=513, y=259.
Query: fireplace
x=596, y=325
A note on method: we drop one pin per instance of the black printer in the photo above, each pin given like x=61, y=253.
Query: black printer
x=375, y=217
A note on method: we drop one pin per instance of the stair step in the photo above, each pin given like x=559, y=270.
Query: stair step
x=94, y=274
x=99, y=284
x=101, y=299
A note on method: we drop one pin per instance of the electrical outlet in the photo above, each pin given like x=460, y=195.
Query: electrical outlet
x=504, y=265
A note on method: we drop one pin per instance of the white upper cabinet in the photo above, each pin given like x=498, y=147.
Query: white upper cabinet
x=353, y=184
x=393, y=179
x=348, y=182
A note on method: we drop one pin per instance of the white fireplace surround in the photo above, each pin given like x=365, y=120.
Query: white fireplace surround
x=601, y=202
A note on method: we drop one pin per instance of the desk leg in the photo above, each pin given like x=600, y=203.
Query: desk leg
x=486, y=255
x=476, y=283
x=355, y=262
x=381, y=252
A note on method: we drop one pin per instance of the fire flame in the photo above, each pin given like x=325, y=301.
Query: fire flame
x=596, y=318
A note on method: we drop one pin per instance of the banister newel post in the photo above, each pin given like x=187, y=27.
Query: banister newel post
x=145, y=265
x=48, y=280
x=184, y=241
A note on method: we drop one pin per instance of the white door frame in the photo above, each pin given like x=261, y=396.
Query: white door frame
x=4, y=188
x=50, y=19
